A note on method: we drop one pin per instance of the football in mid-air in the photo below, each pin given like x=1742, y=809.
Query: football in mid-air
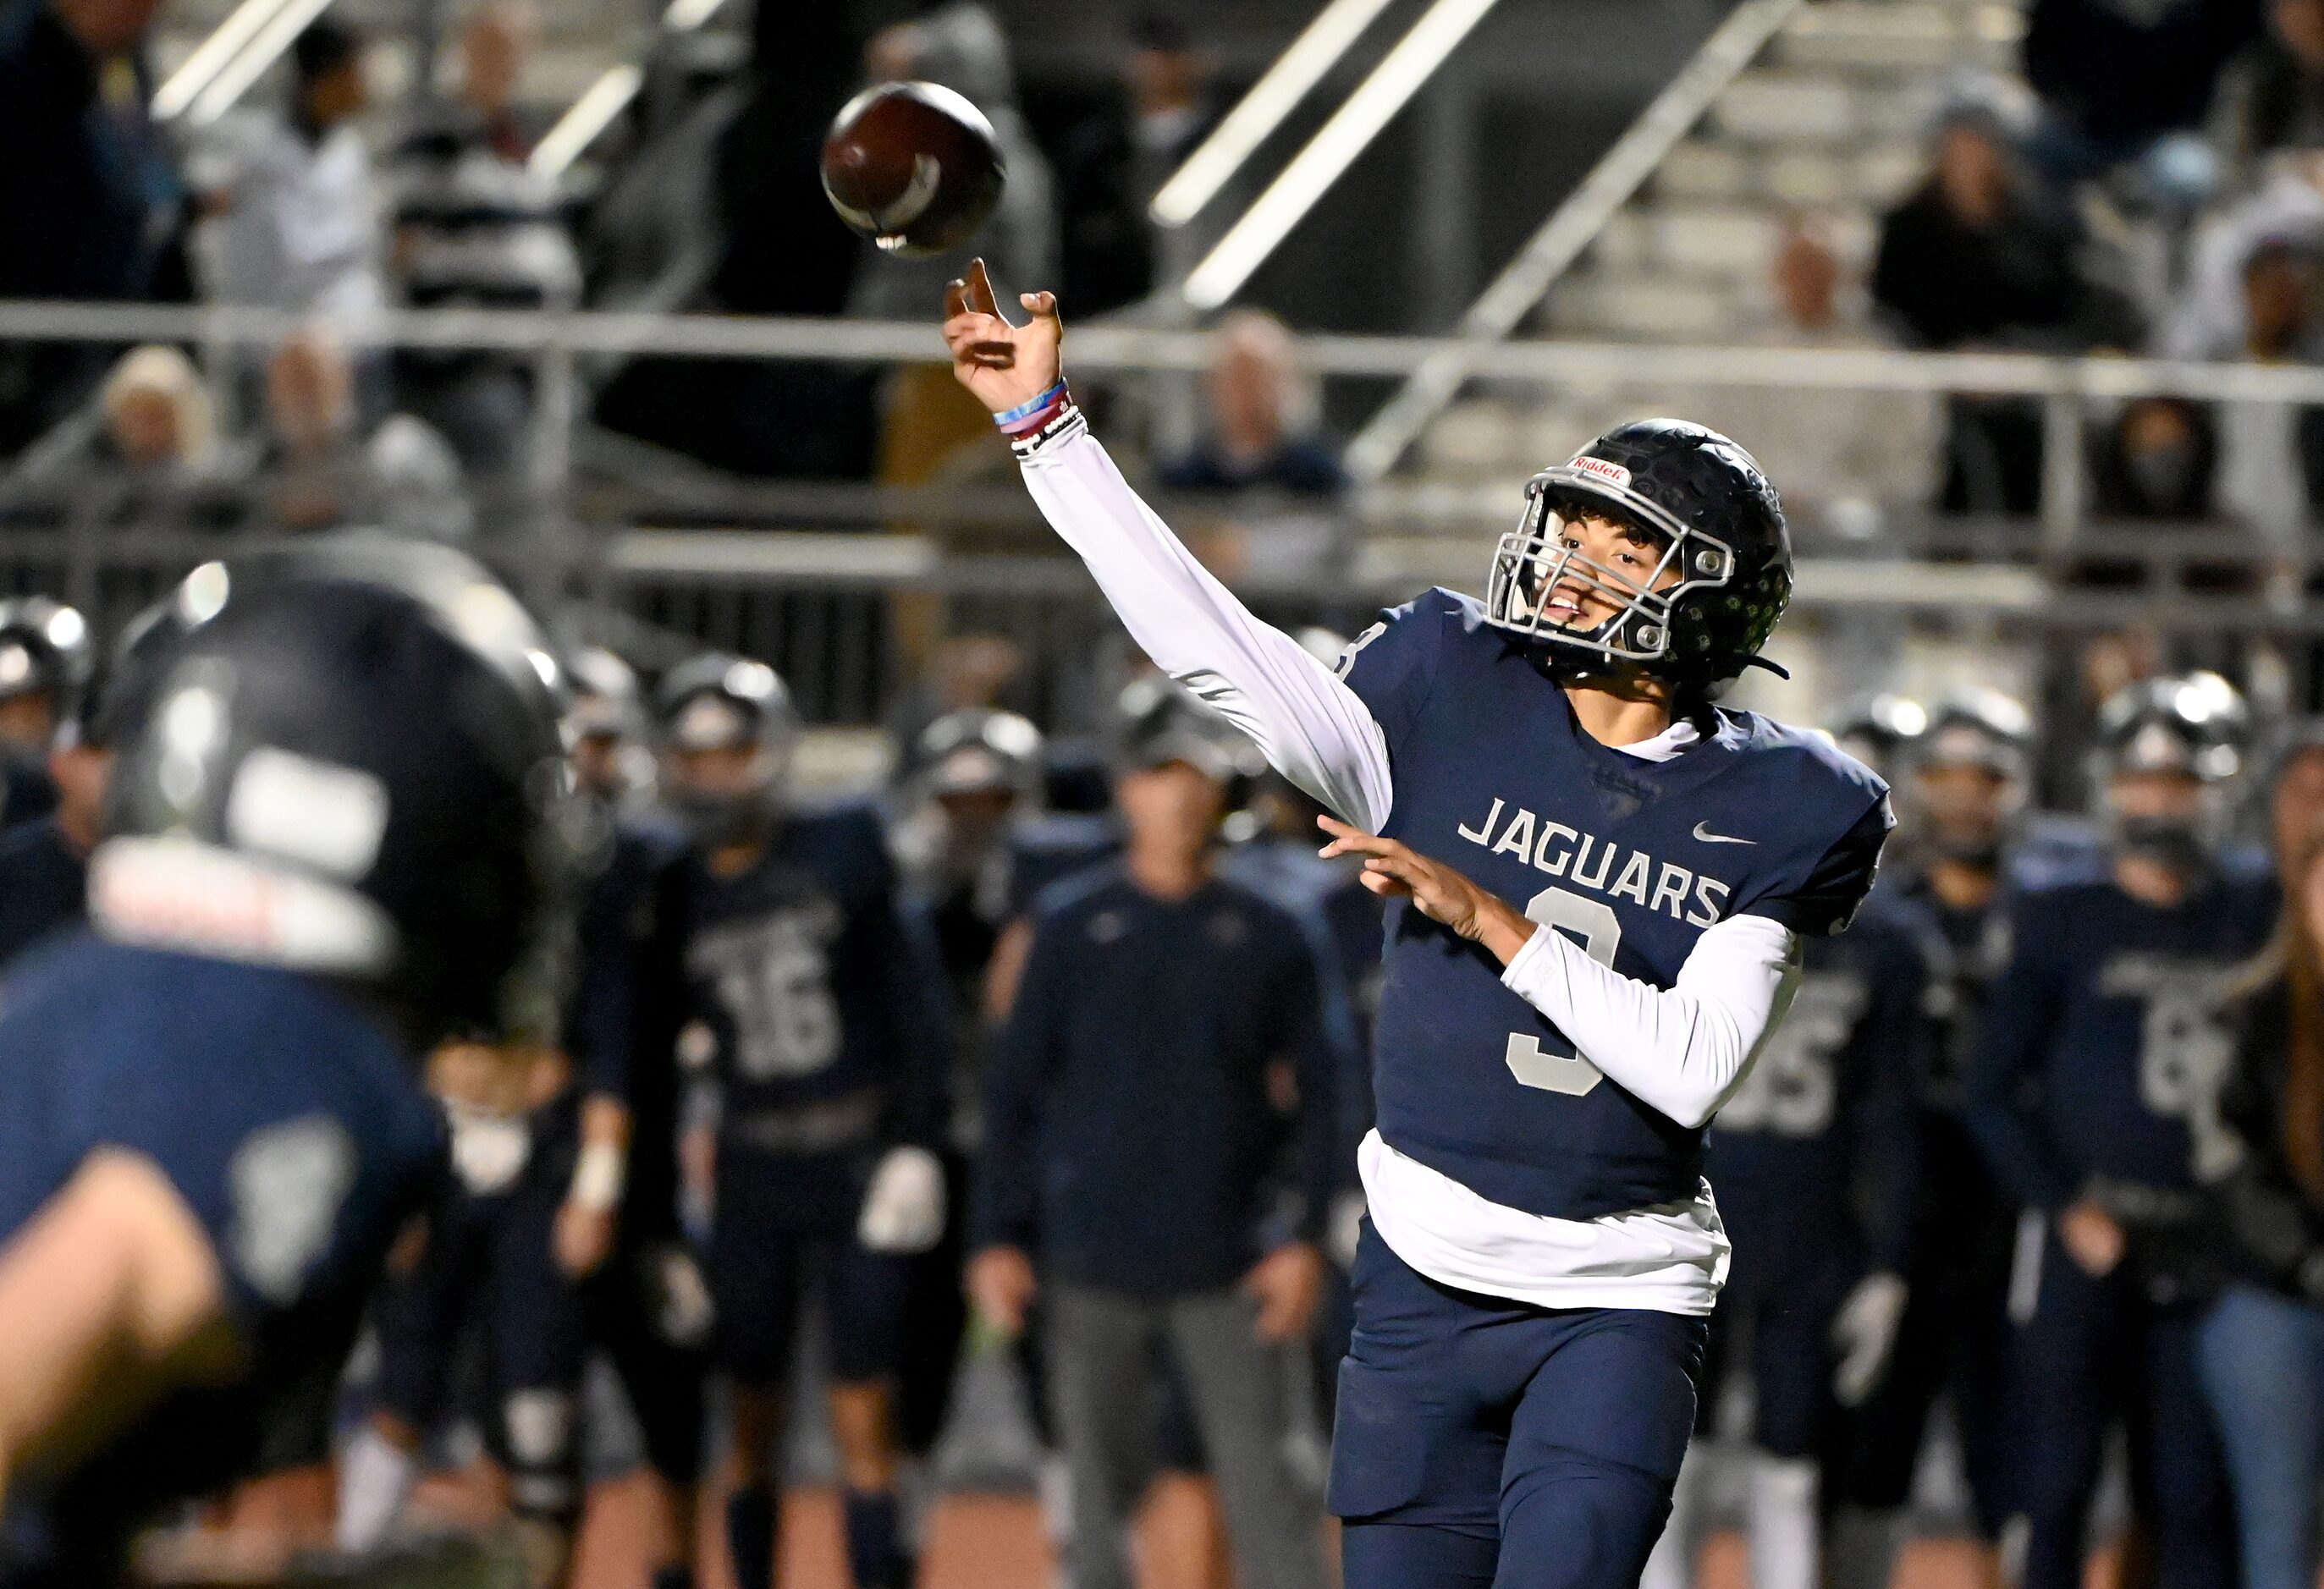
x=912, y=166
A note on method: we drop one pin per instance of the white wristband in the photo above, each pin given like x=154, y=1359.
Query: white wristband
x=597, y=1177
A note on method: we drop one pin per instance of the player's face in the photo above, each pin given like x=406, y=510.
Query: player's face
x=1634, y=558
x=1964, y=804
x=2299, y=803
x=973, y=818
x=82, y=773
x=1173, y=807
x=597, y=764
x=28, y=722
x=728, y=772
x=2156, y=796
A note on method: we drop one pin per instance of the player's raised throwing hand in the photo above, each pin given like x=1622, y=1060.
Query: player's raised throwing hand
x=1005, y=367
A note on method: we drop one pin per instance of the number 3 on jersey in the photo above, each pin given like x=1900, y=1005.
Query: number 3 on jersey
x=1592, y=923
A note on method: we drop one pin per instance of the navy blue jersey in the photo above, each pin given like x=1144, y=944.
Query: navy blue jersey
x=1813, y=1155
x=44, y=887
x=1051, y=846
x=1632, y=858
x=296, y=1136
x=2106, y=1042
x=821, y=1004
x=1134, y=1132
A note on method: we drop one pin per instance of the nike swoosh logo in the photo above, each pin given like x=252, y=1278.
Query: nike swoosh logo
x=1703, y=831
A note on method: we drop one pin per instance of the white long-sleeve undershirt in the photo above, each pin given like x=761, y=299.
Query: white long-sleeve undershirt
x=1311, y=727
x=1683, y=1048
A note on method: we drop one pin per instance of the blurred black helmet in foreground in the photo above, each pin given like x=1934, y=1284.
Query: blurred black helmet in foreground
x=345, y=760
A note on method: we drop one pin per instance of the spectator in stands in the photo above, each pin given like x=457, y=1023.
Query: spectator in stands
x=292, y=206
x=88, y=200
x=1115, y=162
x=1137, y=1143
x=1986, y=254
x=323, y=472
x=159, y=462
x=1261, y=435
x=2156, y=462
x=2273, y=96
x=2261, y=1348
x=476, y=227
x=2271, y=466
x=2116, y=77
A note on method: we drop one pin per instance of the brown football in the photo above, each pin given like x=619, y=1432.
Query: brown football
x=913, y=167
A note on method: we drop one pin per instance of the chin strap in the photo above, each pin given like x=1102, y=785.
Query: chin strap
x=1777, y=668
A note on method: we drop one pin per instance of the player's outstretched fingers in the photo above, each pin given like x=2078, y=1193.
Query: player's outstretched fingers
x=1042, y=305
x=980, y=292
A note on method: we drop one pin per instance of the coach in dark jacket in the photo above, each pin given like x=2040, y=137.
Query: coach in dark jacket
x=1157, y=1124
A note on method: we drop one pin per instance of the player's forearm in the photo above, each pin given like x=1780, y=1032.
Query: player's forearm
x=1683, y=1048
x=1311, y=726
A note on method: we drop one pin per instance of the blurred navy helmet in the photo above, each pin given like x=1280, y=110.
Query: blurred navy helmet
x=601, y=696
x=1975, y=727
x=976, y=751
x=44, y=646
x=1879, y=730
x=719, y=702
x=2194, y=726
x=1158, y=722
x=343, y=759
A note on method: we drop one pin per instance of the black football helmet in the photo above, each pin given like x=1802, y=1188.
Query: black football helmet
x=1975, y=727
x=343, y=759
x=1157, y=722
x=602, y=695
x=976, y=751
x=2193, y=724
x=715, y=701
x=1721, y=527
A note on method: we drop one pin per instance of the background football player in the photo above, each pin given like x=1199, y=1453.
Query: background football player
x=1543, y=1249
x=1966, y=787
x=819, y=1013
x=1814, y=1163
x=217, y=1126
x=2095, y=1094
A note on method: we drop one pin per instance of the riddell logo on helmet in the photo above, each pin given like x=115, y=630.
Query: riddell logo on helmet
x=1602, y=469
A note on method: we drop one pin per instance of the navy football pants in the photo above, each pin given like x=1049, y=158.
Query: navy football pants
x=1481, y=1441
x=2096, y=1351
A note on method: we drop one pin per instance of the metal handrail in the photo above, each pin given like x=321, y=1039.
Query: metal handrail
x=1571, y=227
x=1109, y=350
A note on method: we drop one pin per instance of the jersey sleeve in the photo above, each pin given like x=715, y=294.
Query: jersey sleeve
x=1391, y=666
x=1312, y=729
x=295, y=1180
x=1827, y=900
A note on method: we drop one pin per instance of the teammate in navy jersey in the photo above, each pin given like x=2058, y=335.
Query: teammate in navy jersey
x=1967, y=781
x=2095, y=1094
x=214, y=1127
x=1543, y=1249
x=818, y=1010
x=1813, y=1160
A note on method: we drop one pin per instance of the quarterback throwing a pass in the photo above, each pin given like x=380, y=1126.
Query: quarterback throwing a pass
x=1603, y=880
